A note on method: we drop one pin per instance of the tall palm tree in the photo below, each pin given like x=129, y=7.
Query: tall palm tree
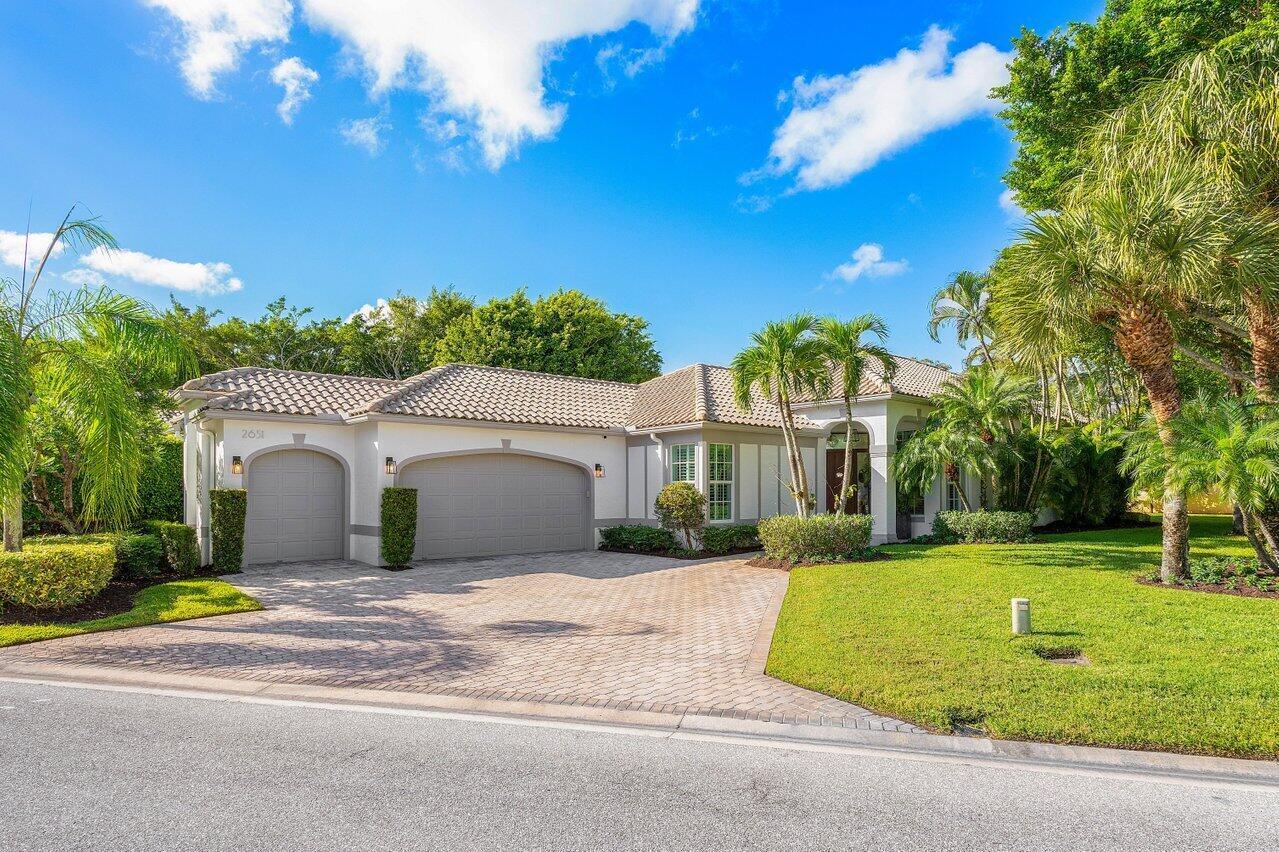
x=843, y=344
x=77, y=351
x=784, y=360
x=964, y=302
x=1132, y=246
x=941, y=446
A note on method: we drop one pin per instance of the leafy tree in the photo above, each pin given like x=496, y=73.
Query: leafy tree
x=842, y=342
x=964, y=302
x=400, y=337
x=784, y=361
x=567, y=333
x=1064, y=83
x=680, y=506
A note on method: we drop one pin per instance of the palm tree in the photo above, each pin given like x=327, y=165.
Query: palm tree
x=784, y=360
x=842, y=344
x=77, y=351
x=964, y=301
x=941, y=446
x=1131, y=247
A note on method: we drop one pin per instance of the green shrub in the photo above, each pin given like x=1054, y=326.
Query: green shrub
x=57, y=574
x=983, y=527
x=637, y=538
x=229, y=506
x=181, y=549
x=724, y=539
x=819, y=538
x=1231, y=572
x=138, y=556
x=399, y=524
x=160, y=483
x=680, y=506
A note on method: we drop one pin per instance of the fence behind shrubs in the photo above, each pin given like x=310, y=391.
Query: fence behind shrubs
x=983, y=527
x=819, y=538
x=398, y=516
x=227, y=528
x=57, y=574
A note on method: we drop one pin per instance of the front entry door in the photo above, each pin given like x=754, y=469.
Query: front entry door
x=860, y=502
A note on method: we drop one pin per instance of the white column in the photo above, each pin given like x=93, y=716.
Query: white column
x=883, y=495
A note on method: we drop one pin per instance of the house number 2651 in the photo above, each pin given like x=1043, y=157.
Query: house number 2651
x=253, y=434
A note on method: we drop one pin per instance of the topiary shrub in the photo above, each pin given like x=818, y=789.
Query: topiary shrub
x=138, y=556
x=226, y=528
x=818, y=538
x=56, y=575
x=680, y=506
x=725, y=539
x=160, y=482
x=181, y=549
x=399, y=525
x=638, y=539
x=983, y=527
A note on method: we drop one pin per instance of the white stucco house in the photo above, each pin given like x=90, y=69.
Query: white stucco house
x=509, y=461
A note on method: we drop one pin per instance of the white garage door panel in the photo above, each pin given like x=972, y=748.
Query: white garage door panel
x=493, y=504
x=295, y=508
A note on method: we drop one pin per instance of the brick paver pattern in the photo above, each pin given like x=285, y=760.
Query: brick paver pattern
x=589, y=629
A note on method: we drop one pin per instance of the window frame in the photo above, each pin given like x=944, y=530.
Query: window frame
x=952, y=503
x=690, y=462
x=720, y=483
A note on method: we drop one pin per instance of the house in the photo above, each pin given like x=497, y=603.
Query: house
x=510, y=461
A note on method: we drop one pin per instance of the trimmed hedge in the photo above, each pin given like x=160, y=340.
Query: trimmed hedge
x=138, y=556
x=638, y=538
x=56, y=575
x=399, y=525
x=181, y=549
x=723, y=539
x=229, y=506
x=983, y=527
x=160, y=482
x=818, y=538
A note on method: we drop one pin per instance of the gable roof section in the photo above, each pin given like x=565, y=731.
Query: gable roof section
x=270, y=391
x=911, y=378
x=701, y=393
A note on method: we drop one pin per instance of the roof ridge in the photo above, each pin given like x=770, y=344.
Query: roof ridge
x=410, y=384
x=239, y=371
x=535, y=373
x=700, y=407
x=923, y=362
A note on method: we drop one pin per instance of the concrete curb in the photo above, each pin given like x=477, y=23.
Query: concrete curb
x=1042, y=756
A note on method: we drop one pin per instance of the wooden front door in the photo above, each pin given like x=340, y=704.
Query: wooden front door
x=835, y=476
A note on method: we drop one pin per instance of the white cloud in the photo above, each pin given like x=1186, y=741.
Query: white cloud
x=82, y=277
x=210, y=279
x=364, y=133
x=842, y=125
x=217, y=32
x=868, y=261
x=13, y=245
x=373, y=314
x=296, y=79
x=1009, y=204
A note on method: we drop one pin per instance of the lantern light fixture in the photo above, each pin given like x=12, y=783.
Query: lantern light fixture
x=599, y=471
x=237, y=465
x=389, y=467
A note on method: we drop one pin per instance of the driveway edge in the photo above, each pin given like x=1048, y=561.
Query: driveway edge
x=1170, y=766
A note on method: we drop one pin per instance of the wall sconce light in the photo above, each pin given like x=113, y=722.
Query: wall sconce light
x=599, y=471
x=389, y=467
x=237, y=465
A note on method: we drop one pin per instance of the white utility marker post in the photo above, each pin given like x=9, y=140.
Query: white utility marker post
x=1021, y=616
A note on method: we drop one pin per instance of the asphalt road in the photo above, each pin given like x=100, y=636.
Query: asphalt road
x=98, y=769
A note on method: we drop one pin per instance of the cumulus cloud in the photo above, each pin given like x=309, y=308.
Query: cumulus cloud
x=1010, y=205
x=372, y=314
x=82, y=277
x=209, y=279
x=868, y=261
x=842, y=125
x=13, y=246
x=364, y=133
x=479, y=62
x=296, y=79
x=215, y=34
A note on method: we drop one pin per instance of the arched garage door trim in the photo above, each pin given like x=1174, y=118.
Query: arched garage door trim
x=345, y=535
x=587, y=473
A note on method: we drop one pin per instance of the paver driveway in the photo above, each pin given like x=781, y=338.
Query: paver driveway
x=596, y=629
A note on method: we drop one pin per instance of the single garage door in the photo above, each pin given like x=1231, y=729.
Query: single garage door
x=494, y=504
x=295, y=508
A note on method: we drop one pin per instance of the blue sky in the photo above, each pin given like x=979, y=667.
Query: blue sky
x=708, y=165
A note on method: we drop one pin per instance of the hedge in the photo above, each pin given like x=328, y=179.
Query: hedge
x=56, y=575
x=638, y=539
x=818, y=538
x=722, y=539
x=160, y=483
x=983, y=527
x=138, y=556
x=399, y=525
x=181, y=549
x=229, y=506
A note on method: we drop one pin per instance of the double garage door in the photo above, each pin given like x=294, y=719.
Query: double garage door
x=471, y=505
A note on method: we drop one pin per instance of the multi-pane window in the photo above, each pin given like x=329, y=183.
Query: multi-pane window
x=953, y=503
x=909, y=501
x=719, y=491
x=683, y=463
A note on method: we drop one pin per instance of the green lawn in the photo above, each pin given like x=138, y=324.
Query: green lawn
x=925, y=637
x=175, y=601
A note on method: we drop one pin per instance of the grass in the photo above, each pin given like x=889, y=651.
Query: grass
x=925, y=637
x=174, y=601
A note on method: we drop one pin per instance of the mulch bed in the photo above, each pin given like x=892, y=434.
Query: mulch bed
x=116, y=598
x=1240, y=590
x=690, y=555
x=784, y=565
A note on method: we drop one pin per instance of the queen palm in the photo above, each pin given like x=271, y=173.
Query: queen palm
x=1132, y=246
x=964, y=302
x=77, y=351
x=784, y=361
x=845, y=347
